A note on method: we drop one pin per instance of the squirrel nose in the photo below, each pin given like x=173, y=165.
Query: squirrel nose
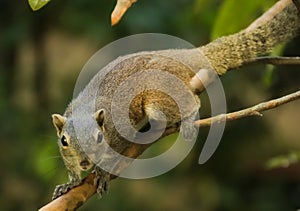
x=84, y=164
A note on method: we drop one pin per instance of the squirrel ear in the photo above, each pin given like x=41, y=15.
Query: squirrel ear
x=99, y=116
x=58, y=122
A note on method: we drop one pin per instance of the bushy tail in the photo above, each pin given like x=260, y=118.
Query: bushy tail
x=232, y=51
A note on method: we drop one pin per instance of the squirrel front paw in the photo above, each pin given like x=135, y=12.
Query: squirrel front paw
x=63, y=188
x=101, y=180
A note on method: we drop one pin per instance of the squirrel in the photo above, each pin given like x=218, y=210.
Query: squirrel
x=87, y=124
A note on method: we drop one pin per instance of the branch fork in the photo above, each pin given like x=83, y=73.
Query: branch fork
x=80, y=194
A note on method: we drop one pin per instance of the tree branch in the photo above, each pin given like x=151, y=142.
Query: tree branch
x=121, y=7
x=74, y=198
x=252, y=111
x=274, y=60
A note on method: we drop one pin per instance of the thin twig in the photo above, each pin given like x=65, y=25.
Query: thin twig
x=252, y=111
x=274, y=60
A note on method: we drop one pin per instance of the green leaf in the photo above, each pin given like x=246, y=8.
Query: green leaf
x=37, y=4
x=268, y=76
x=235, y=15
x=269, y=73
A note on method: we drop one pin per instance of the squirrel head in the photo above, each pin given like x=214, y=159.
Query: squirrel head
x=77, y=146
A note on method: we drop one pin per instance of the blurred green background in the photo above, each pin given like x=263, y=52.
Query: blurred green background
x=41, y=55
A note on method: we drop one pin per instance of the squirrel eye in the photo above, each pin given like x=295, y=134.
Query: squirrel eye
x=64, y=141
x=99, y=138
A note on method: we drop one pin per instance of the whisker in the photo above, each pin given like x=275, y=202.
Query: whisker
x=49, y=158
x=59, y=165
x=52, y=137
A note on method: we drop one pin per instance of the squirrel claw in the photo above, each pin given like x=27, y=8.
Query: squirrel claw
x=60, y=190
x=63, y=188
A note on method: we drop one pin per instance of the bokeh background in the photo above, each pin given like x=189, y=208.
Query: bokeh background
x=41, y=55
